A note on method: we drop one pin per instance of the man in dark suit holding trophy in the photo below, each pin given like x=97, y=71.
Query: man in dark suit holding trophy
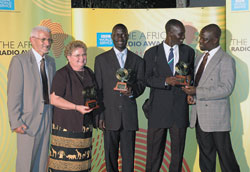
x=120, y=76
x=169, y=105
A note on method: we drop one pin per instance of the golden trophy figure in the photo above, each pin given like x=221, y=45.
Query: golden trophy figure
x=182, y=70
x=90, y=97
x=123, y=75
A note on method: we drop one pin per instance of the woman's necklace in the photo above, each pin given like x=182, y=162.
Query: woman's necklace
x=80, y=74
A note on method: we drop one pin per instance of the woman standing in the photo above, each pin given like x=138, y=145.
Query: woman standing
x=71, y=140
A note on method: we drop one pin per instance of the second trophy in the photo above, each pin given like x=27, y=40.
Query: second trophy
x=90, y=97
x=123, y=75
x=183, y=73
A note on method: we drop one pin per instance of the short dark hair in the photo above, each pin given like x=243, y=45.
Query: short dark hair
x=173, y=22
x=214, y=28
x=120, y=25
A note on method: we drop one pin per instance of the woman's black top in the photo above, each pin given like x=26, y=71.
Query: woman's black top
x=69, y=85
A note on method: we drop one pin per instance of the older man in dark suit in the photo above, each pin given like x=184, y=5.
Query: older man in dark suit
x=119, y=120
x=214, y=82
x=169, y=105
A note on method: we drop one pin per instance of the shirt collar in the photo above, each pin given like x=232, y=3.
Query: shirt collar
x=118, y=52
x=167, y=47
x=213, y=51
x=37, y=55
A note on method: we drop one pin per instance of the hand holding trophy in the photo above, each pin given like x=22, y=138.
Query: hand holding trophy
x=90, y=97
x=183, y=76
x=123, y=75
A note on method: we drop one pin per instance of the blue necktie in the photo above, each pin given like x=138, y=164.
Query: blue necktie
x=171, y=59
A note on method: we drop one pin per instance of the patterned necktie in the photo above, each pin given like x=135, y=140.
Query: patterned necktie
x=121, y=55
x=200, y=70
x=44, y=81
x=171, y=59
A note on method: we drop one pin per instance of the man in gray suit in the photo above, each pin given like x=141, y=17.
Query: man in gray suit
x=214, y=83
x=30, y=114
x=119, y=120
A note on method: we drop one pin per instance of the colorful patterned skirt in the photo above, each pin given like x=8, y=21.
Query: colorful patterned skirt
x=70, y=151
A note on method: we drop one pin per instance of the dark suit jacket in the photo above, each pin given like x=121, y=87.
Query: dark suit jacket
x=120, y=111
x=169, y=103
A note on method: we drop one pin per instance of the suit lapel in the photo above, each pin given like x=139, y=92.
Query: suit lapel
x=129, y=60
x=162, y=61
x=112, y=59
x=181, y=54
x=197, y=61
x=210, y=66
x=50, y=71
x=35, y=69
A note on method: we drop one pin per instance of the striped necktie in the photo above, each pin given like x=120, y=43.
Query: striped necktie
x=171, y=59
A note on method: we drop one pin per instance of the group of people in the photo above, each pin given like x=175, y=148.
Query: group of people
x=47, y=108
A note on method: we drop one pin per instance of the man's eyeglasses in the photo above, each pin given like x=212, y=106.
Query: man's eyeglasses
x=44, y=39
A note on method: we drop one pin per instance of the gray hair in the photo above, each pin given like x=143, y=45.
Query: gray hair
x=36, y=29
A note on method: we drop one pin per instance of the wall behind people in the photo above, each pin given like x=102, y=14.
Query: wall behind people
x=238, y=46
x=146, y=28
x=17, y=18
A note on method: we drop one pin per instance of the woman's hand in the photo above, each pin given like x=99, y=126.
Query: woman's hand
x=82, y=109
x=66, y=105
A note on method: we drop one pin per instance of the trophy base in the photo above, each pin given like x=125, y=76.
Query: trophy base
x=183, y=80
x=121, y=86
x=92, y=104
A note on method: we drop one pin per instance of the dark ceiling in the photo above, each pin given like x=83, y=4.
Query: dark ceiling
x=143, y=3
x=123, y=4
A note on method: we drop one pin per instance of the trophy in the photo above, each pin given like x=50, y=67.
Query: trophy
x=182, y=70
x=123, y=75
x=90, y=96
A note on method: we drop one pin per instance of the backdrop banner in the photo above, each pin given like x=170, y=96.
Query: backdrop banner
x=238, y=46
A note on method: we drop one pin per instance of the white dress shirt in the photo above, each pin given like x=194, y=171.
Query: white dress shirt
x=175, y=51
x=38, y=61
x=211, y=54
x=117, y=52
